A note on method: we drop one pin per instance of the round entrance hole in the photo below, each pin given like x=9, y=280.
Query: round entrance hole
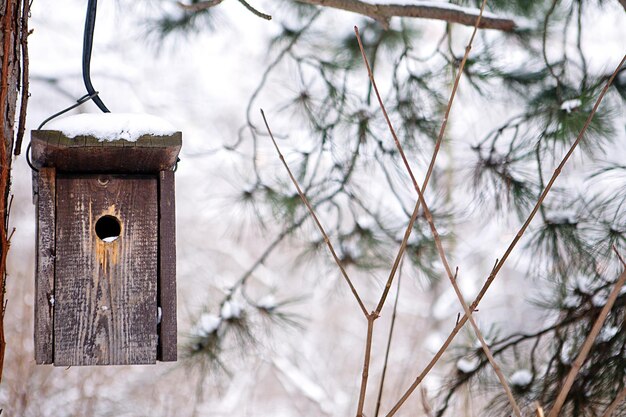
x=108, y=228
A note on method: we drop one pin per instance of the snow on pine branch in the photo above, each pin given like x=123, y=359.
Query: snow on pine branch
x=443, y=5
x=382, y=11
x=521, y=378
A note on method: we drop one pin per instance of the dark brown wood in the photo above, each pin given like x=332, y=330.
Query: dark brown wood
x=44, y=273
x=167, y=267
x=106, y=293
x=149, y=154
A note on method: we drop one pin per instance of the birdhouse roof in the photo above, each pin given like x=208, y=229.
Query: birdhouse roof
x=115, y=143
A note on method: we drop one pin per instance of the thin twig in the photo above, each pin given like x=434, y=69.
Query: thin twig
x=433, y=159
x=538, y=409
x=586, y=348
x=24, y=91
x=619, y=256
x=544, y=43
x=466, y=309
x=388, y=349
x=508, y=251
x=366, y=363
x=255, y=11
x=433, y=228
x=616, y=403
x=306, y=202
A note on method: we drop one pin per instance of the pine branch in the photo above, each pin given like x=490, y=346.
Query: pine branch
x=584, y=351
x=511, y=246
x=446, y=12
x=622, y=394
x=203, y=5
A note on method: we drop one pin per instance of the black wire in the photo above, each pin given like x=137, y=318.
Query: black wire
x=80, y=101
x=90, y=24
x=92, y=94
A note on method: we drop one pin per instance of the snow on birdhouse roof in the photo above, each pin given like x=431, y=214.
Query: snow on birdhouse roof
x=112, y=126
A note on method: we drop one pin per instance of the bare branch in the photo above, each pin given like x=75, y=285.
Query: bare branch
x=366, y=363
x=433, y=228
x=620, y=397
x=586, y=348
x=388, y=349
x=512, y=245
x=306, y=202
x=24, y=91
x=446, y=12
x=538, y=410
x=433, y=159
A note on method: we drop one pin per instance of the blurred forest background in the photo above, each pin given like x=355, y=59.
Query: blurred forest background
x=266, y=325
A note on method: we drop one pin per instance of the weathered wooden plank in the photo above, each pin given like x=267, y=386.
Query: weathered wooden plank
x=149, y=154
x=44, y=273
x=167, y=267
x=106, y=292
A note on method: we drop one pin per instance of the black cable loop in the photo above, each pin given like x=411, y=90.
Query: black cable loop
x=28, y=161
x=80, y=101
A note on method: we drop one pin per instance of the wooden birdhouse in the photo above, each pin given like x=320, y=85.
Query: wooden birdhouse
x=105, y=285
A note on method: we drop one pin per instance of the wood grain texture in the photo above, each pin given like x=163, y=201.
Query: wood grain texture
x=106, y=293
x=167, y=267
x=44, y=272
x=149, y=154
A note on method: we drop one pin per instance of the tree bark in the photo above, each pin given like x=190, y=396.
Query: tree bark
x=384, y=12
x=447, y=12
x=10, y=39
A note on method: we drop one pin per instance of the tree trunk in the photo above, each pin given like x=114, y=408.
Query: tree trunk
x=10, y=38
